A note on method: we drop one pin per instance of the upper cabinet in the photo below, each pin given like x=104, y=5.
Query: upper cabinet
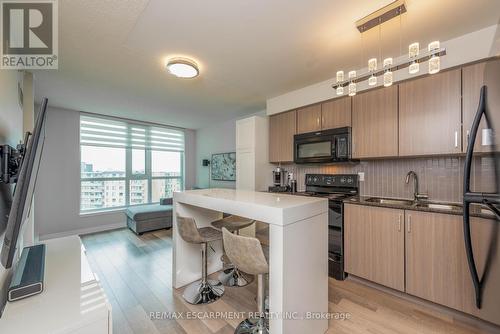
x=473, y=77
x=309, y=119
x=336, y=113
x=282, y=128
x=375, y=123
x=430, y=115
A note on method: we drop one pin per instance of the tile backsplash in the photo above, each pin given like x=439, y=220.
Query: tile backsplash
x=439, y=177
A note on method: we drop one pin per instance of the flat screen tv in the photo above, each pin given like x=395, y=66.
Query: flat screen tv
x=23, y=191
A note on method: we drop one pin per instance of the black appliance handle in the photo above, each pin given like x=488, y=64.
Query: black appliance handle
x=489, y=199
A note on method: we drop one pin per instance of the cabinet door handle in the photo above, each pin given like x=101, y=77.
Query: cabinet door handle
x=468, y=136
x=318, y=121
x=409, y=224
x=456, y=138
x=399, y=223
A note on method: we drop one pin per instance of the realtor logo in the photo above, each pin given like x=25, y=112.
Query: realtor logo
x=29, y=34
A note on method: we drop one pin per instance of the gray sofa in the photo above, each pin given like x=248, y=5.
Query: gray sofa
x=150, y=217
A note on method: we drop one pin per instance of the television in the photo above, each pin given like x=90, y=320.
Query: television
x=23, y=191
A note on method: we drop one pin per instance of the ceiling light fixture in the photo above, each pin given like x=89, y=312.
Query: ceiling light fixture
x=412, y=60
x=183, y=68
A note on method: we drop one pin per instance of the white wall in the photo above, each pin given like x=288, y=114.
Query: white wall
x=219, y=138
x=11, y=132
x=57, y=211
x=464, y=49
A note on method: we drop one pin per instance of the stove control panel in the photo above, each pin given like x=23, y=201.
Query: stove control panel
x=332, y=180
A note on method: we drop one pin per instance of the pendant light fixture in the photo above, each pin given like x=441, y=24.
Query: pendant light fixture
x=434, y=61
x=413, y=51
x=432, y=55
x=340, y=79
x=352, y=84
x=372, y=67
x=388, y=78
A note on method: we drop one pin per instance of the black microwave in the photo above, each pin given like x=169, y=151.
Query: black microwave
x=323, y=146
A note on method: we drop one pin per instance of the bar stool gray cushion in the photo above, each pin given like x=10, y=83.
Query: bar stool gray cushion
x=149, y=217
x=245, y=253
x=191, y=233
x=232, y=223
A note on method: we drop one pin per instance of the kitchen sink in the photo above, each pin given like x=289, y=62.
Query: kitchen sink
x=437, y=206
x=390, y=201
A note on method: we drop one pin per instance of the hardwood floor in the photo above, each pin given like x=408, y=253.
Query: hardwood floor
x=136, y=274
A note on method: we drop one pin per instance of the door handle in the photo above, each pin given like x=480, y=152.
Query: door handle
x=468, y=136
x=409, y=224
x=399, y=223
x=456, y=138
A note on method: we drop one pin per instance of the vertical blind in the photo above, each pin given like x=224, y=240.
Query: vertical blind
x=107, y=132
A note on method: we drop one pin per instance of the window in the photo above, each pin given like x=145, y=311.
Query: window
x=128, y=163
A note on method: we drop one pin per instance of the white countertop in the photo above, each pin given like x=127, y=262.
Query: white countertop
x=271, y=208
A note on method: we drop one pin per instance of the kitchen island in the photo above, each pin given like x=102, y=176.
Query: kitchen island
x=298, y=250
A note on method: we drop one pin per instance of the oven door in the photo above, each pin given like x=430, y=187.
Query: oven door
x=314, y=149
x=335, y=214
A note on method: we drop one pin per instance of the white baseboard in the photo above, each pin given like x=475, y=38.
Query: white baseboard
x=82, y=231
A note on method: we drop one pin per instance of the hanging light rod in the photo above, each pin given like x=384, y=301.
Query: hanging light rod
x=380, y=16
x=402, y=63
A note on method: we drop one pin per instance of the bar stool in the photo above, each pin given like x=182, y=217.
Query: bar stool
x=204, y=291
x=246, y=253
x=231, y=276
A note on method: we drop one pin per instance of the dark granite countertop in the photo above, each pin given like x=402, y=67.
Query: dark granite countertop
x=475, y=211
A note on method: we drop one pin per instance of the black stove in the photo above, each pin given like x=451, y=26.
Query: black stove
x=337, y=188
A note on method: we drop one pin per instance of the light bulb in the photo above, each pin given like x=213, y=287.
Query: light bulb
x=372, y=64
x=352, y=89
x=413, y=50
x=340, y=76
x=372, y=81
x=434, y=61
x=414, y=67
x=388, y=76
x=340, y=90
x=352, y=84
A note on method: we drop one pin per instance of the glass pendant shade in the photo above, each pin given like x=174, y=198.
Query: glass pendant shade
x=340, y=76
x=434, y=61
x=413, y=50
x=340, y=90
x=372, y=64
x=414, y=68
x=388, y=75
x=372, y=81
x=352, y=89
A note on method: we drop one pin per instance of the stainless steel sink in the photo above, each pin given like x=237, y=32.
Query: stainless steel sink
x=437, y=206
x=390, y=201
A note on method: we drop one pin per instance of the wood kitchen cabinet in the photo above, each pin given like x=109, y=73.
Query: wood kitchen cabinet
x=282, y=128
x=336, y=113
x=430, y=115
x=473, y=77
x=309, y=119
x=374, y=244
x=436, y=262
x=375, y=123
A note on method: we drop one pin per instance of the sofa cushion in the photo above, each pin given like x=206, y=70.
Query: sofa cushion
x=149, y=211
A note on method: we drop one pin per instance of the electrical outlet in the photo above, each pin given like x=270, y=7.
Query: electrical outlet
x=361, y=176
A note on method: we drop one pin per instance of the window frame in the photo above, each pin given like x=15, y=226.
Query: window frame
x=129, y=175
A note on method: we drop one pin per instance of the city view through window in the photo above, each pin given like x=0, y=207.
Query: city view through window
x=113, y=177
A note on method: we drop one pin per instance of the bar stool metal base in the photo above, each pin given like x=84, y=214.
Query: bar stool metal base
x=232, y=277
x=253, y=326
x=203, y=293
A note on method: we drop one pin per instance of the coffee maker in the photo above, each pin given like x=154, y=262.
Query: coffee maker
x=280, y=181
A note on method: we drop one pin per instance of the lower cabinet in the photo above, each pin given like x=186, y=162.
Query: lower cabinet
x=374, y=244
x=423, y=254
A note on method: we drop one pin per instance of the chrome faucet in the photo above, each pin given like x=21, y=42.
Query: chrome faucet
x=417, y=196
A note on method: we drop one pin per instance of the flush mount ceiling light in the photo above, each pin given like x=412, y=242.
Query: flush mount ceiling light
x=183, y=68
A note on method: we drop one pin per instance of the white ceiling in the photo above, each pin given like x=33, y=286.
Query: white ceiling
x=112, y=52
